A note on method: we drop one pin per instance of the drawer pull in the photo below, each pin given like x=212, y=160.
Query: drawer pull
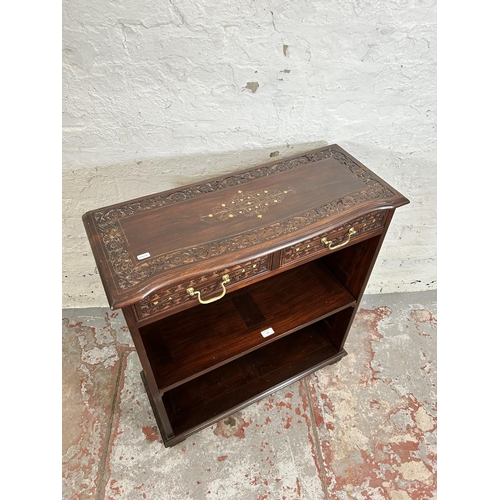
x=329, y=243
x=191, y=291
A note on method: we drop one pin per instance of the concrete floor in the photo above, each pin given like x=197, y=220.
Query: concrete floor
x=364, y=428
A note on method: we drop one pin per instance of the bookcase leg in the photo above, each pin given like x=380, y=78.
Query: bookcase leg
x=148, y=379
x=166, y=434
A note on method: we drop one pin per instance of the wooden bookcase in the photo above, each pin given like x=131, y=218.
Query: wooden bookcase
x=235, y=287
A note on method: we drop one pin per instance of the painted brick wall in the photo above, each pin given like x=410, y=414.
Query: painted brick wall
x=158, y=93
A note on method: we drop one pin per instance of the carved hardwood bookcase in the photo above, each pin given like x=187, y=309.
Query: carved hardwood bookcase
x=235, y=287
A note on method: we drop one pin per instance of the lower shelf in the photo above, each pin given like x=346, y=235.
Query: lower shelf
x=220, y=392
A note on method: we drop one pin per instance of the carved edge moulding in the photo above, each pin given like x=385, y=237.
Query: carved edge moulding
x=129, y=273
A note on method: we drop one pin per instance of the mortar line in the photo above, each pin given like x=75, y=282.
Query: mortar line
x=107, y=438
x=321, y=461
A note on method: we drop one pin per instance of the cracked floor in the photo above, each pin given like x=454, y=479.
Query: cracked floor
x=364, y=428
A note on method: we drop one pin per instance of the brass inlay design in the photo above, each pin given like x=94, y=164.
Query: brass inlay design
x=329, y=243
x=225, y=280
x=128, y=273
x=248, y=203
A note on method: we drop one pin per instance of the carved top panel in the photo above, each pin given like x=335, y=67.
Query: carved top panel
x=142, y=244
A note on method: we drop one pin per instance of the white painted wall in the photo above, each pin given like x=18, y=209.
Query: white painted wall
x=158, y=93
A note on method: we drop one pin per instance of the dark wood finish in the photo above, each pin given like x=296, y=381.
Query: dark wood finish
x=188, y=344
x=260, y=233
x=172, y=299
x=319, y=190
x=148, y=378
x=249, y=378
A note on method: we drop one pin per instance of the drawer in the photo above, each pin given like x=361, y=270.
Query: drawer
x=209, y=286
x=338, y=237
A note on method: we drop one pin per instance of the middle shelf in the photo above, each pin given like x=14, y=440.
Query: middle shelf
x=200, y=339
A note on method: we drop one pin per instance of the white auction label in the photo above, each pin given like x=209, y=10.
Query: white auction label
x=268, y=331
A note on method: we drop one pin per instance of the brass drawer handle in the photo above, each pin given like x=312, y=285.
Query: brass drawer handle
x=329, y=243
x=191, y=291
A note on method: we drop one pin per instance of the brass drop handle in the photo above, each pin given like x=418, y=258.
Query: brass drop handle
x=225, y=280
x=329, y=243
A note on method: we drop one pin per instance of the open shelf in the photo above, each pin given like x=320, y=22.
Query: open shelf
x=195, y=341
x=234, y=385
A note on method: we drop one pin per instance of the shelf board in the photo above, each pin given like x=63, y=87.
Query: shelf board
x=195, y=341
x=223, y=391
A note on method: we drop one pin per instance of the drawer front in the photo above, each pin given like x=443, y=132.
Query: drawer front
x=208, y=285
x=370, y=222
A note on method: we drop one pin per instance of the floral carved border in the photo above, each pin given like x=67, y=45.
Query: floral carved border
x=130, y=273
